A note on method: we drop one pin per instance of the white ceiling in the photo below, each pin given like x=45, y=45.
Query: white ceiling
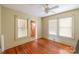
x=37, y=10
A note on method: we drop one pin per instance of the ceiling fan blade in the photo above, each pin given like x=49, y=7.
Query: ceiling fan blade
x=52, y=11
x=53, y=7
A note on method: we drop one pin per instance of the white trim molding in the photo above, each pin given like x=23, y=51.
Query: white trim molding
x=2, y=42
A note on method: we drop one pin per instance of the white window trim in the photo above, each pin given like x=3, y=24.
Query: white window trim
x=58, y=28
x=16, y=30
x=72, y=28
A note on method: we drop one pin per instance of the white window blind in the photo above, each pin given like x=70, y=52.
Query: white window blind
x=62, y=27
x=22, y=28
x=65, y=27
x=52, y=27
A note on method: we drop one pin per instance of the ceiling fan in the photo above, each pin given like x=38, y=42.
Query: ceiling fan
x=47, y=8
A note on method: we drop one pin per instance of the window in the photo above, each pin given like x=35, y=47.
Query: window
x=65, y=27
x=52, y=27
x=21, y=28
x=61, y=27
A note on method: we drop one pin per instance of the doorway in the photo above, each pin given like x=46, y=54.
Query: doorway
x=33, y=28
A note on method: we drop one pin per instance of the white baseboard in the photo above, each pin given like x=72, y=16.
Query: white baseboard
x=0, y=51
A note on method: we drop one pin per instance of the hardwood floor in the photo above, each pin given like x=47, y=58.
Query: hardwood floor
x=40, y=46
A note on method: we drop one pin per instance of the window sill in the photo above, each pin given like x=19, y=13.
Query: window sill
x=56, y=37
x=21, y=38
x=65, y=37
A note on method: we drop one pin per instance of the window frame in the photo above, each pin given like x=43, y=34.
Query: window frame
x=16, y=27
x=72, y=27
x=58, y=27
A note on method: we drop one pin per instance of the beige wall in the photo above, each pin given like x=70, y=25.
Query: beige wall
x=39, y=28
x=7, y=27
x=0, y=19
x=0, y=24
x=75, y=15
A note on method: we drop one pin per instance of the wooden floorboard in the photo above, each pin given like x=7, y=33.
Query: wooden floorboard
x=41, y=46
